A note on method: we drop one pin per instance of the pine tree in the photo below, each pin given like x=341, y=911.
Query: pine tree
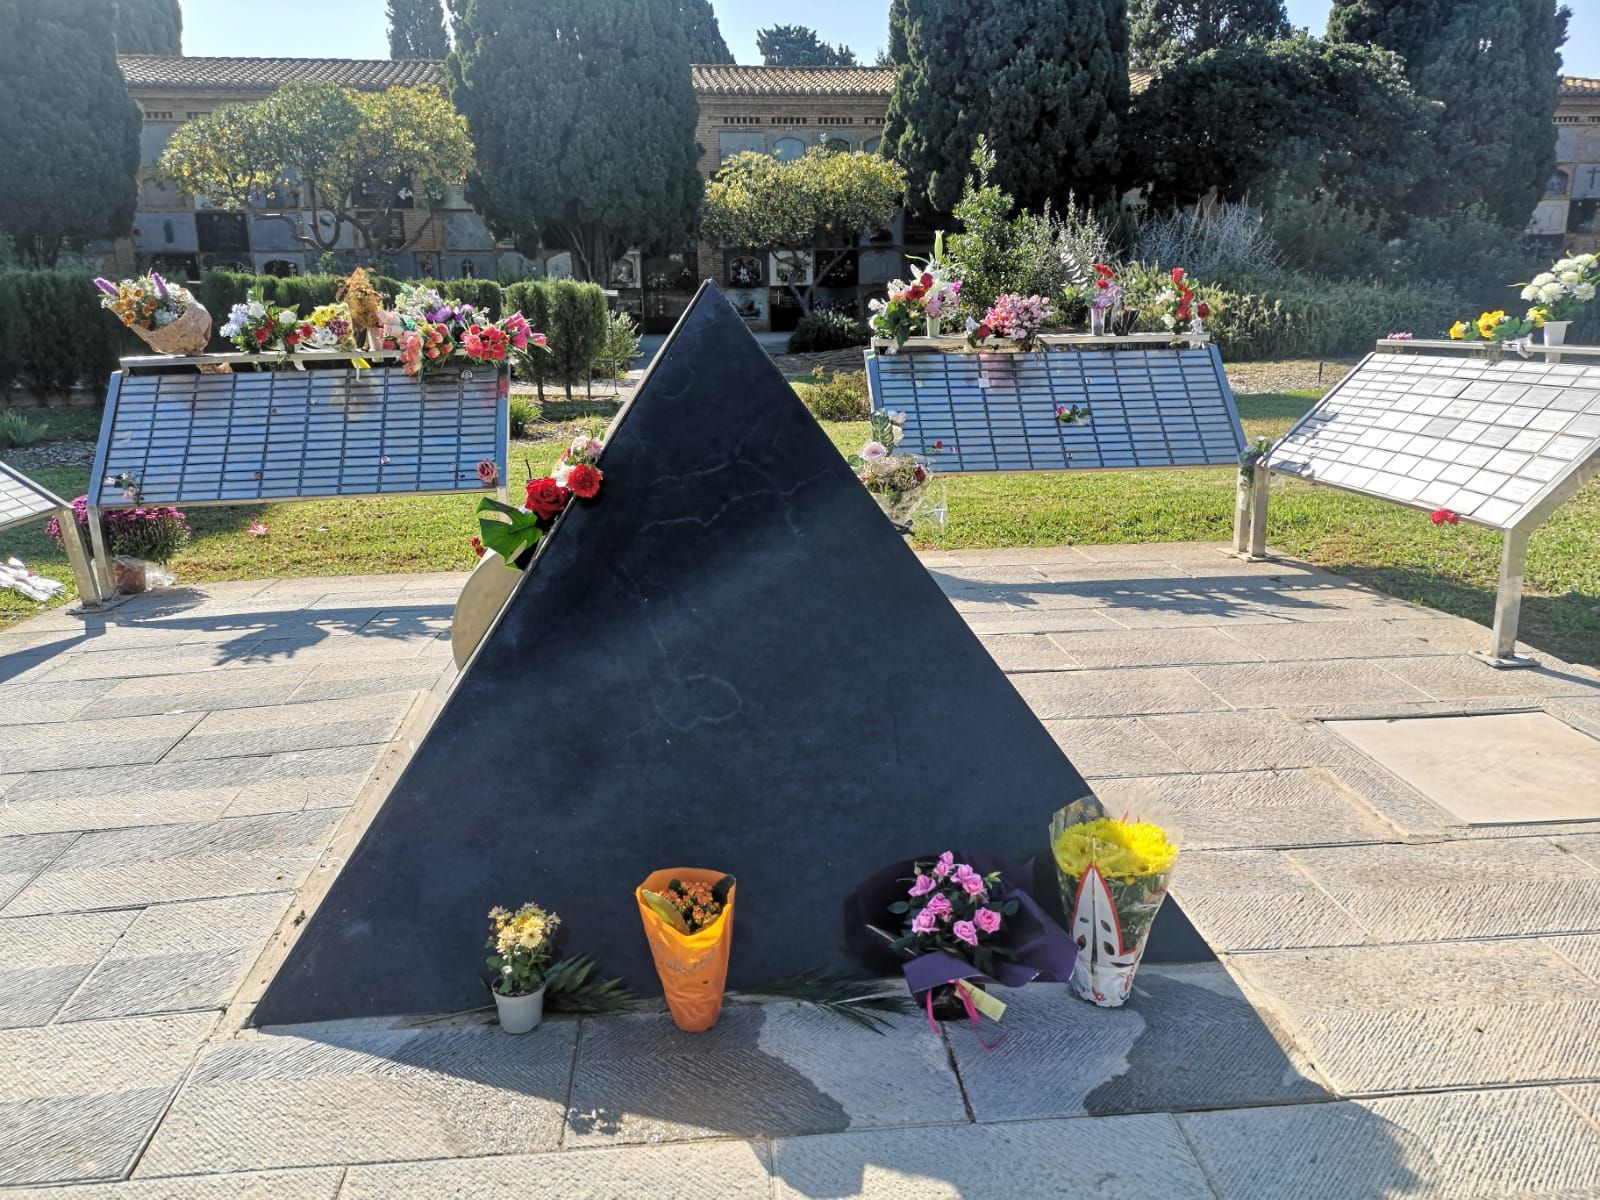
x=799, y=46
x=416, y=29
x=587, y=137
x=706, y=44
x=1494, y=65
x=1166, y=30
x=1045, y=82
x=69, y=134
x=149, y=27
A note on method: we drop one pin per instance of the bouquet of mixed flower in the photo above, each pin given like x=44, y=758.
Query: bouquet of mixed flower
x=896, y=481
x=430, y=329
x=1104, y=296
x=331, y=328
x=166, y=315
x=962, y=918
x=1179, y=308
x=1560, y=293
x=1114, y=876
x=931, y=296
x=576, y=475
x=687, y=915
x=1017, y=317
x=258, y=328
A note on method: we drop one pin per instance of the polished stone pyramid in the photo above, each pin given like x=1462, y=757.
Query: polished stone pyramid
x=730, y=660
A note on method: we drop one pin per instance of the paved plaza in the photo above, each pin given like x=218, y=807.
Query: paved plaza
x=1402, y=1004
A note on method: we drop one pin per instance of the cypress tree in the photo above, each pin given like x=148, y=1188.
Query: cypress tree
x=1166, y=30
x=69, y=134
x=583, y=114
x=1045, y=82
x=416, y=29
x=706, y=44
x=799, y=46
x=1495, y=66
x=149, y=27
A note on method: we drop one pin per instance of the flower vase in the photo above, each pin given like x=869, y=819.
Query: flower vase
x=519, y=1014
x=693, y=967
x=1097, y=321
x=933, y=327
x=1555, y=333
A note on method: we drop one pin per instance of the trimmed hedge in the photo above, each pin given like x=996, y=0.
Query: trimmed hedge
x=573, y=316
x=1304, y=318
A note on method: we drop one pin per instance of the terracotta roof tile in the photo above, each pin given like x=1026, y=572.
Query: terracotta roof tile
x=730, y=80
x=171, y=73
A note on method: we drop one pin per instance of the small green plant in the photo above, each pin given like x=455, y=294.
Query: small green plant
x=825, y=329
x=840, y=396
x=620, y=347
x=19, y=429
x=523, y=413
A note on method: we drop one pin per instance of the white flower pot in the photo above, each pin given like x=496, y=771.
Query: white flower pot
x=1097, y=321
x=519, y=1014
x=1555, y=333
x=933, y=327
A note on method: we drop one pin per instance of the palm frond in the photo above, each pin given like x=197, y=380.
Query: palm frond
x=569, y=988
x=858, y=999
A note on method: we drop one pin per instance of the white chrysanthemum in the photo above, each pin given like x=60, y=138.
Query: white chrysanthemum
x=1583, y=291
x=1530, y=292
x=256, y=309
x=1551, y=292
x=1543, y=278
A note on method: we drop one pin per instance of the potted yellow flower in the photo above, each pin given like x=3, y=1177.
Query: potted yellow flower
x=1114, y=876
x=523, y=943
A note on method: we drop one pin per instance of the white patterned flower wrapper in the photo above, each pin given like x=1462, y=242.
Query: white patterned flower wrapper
x=1110, y=921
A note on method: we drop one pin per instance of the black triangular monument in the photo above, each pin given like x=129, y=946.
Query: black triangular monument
x=730, y=660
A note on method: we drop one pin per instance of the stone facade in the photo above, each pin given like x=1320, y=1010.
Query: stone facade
x=1568, y=218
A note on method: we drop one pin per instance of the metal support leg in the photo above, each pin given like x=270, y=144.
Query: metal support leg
x=82, y=568
x=102, y=556
x=1250, y=515
x=1508, y=605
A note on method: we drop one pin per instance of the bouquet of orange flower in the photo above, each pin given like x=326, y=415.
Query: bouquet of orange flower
x=688, y=921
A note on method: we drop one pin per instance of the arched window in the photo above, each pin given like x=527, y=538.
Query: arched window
x=281, y=267
x=871, y=145
x=1556, y=185
x=786, y=148
x=835, y=145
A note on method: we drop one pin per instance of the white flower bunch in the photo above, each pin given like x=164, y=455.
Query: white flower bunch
x=1560, y=293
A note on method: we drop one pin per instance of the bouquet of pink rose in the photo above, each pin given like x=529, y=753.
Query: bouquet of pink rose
x=949, y=908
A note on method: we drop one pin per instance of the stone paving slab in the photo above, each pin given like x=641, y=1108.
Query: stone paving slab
x=1027, y=652
x=347, y=680
x=1113, y=746
x=243, y=687
x=779, y=1069
x=1120, y=693
x=1449, y=890
x=279, y=729
x=179, y=957
x=121, y=867
x=1582, y=951
x=304, y=779
x=1262, y=739
x=1253, y=809
x=1363, y=639
x=1524, y=1142
x=1270, y=685
x=1434, y=1014
x=78, y=1101
x=725, y=1170
x=1140, y=611
x=1457, y=677
x=1152, y=648
x=1104, y=1158
x=1187, y=1039
x=43, y=702
x=44, y=959
x=101, y=743
x=22, y=858
x=1259, y=900
x=314, y=1184
x=308, y=1099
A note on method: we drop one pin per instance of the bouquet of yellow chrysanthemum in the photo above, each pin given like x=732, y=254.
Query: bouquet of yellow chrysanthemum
x=1114, y=877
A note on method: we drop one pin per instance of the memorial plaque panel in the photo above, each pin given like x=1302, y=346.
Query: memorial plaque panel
x=21, y=499
x=1488, y=438
x=998, y=411
x=264, y=435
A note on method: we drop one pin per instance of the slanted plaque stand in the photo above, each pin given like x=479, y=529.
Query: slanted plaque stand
x=22, y=500
x=728, y=660
x=1498, y=439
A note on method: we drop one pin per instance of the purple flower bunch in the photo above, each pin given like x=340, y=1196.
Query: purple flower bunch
x=155, y=533
x=951, y=907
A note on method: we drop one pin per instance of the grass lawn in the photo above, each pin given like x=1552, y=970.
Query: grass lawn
x=1393, y=548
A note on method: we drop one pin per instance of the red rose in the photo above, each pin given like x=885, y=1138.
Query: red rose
x=477, y=546
x=545, y=498
x=984, y=331
x=1102, y=284
x=1177, y=276
x=1204, y=310
x=920, y=474
x=583, y=481
x=926, y=280
x=915, y=292
x=488, y=473
x=263, y=333
x=1104, y=270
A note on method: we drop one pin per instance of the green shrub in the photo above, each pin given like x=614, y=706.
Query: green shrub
x=523, y=413
x=841, y=396
x=573, y=316
x=620, y=347
x=1472, y=254
x=19, y=429
x=825, y=329
x=1297, y=317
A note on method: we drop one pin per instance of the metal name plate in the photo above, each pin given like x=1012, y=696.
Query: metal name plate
x=237, y=438
x=999, y=412
x=1486, y=438
x=21, y=499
